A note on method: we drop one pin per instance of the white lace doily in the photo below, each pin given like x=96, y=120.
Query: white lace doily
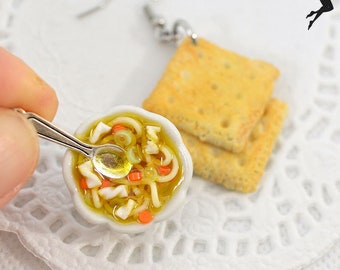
x=111, y=58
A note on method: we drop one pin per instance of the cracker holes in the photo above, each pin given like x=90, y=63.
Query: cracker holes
x=252, y=76
x=171, y=99
x=224, y=123
x=226, y=65
x=242, y=161
x=185, y=74
x=200, y=111
x=214, y=86
x=200, y=54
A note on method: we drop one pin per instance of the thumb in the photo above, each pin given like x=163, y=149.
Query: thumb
x=19, y=153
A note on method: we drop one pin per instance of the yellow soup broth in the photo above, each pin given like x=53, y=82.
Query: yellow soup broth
x=146, y=187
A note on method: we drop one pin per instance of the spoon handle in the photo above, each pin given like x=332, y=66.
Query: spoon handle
x=50, y=132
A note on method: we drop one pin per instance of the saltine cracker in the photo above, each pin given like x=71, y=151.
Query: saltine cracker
x=239, y=171
x=213, y=93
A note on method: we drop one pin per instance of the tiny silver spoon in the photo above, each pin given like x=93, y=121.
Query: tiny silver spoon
x=108, y=159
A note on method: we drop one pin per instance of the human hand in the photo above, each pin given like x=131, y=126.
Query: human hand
x=20, y=87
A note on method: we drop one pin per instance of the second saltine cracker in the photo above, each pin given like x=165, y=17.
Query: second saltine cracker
x=213, y=93
x=242, y=171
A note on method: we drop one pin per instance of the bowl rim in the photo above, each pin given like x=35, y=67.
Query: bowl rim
x=169, y=209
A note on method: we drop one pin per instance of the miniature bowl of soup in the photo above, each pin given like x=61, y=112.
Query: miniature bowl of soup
x=159, y=174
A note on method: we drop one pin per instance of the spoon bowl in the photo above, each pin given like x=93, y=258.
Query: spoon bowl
x=110, y=160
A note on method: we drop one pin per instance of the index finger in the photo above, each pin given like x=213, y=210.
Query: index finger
x=21, y=87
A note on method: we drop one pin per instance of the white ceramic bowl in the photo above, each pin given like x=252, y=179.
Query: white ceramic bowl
x=175, y=203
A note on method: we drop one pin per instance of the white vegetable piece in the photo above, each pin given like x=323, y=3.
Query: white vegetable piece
x=151, y=148
x=152, y=133
x=110, y=192
x=100, y=130
x=124, y=211
x=152, y=140
x=86, y=169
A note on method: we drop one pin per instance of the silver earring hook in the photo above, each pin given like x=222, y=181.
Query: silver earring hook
x=165, y=35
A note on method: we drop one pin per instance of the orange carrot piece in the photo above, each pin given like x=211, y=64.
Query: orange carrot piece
x=106, y=183
x=118, y=127
x=135, y=176
x=164, y=170
x=83, y=184
x=145, y=217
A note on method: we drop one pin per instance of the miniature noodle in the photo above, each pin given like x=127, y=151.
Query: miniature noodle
x=130, y=122
x=154, y=195
x=146, y=187
x=167, y=155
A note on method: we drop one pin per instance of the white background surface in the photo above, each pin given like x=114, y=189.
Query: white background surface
x=110, y=58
